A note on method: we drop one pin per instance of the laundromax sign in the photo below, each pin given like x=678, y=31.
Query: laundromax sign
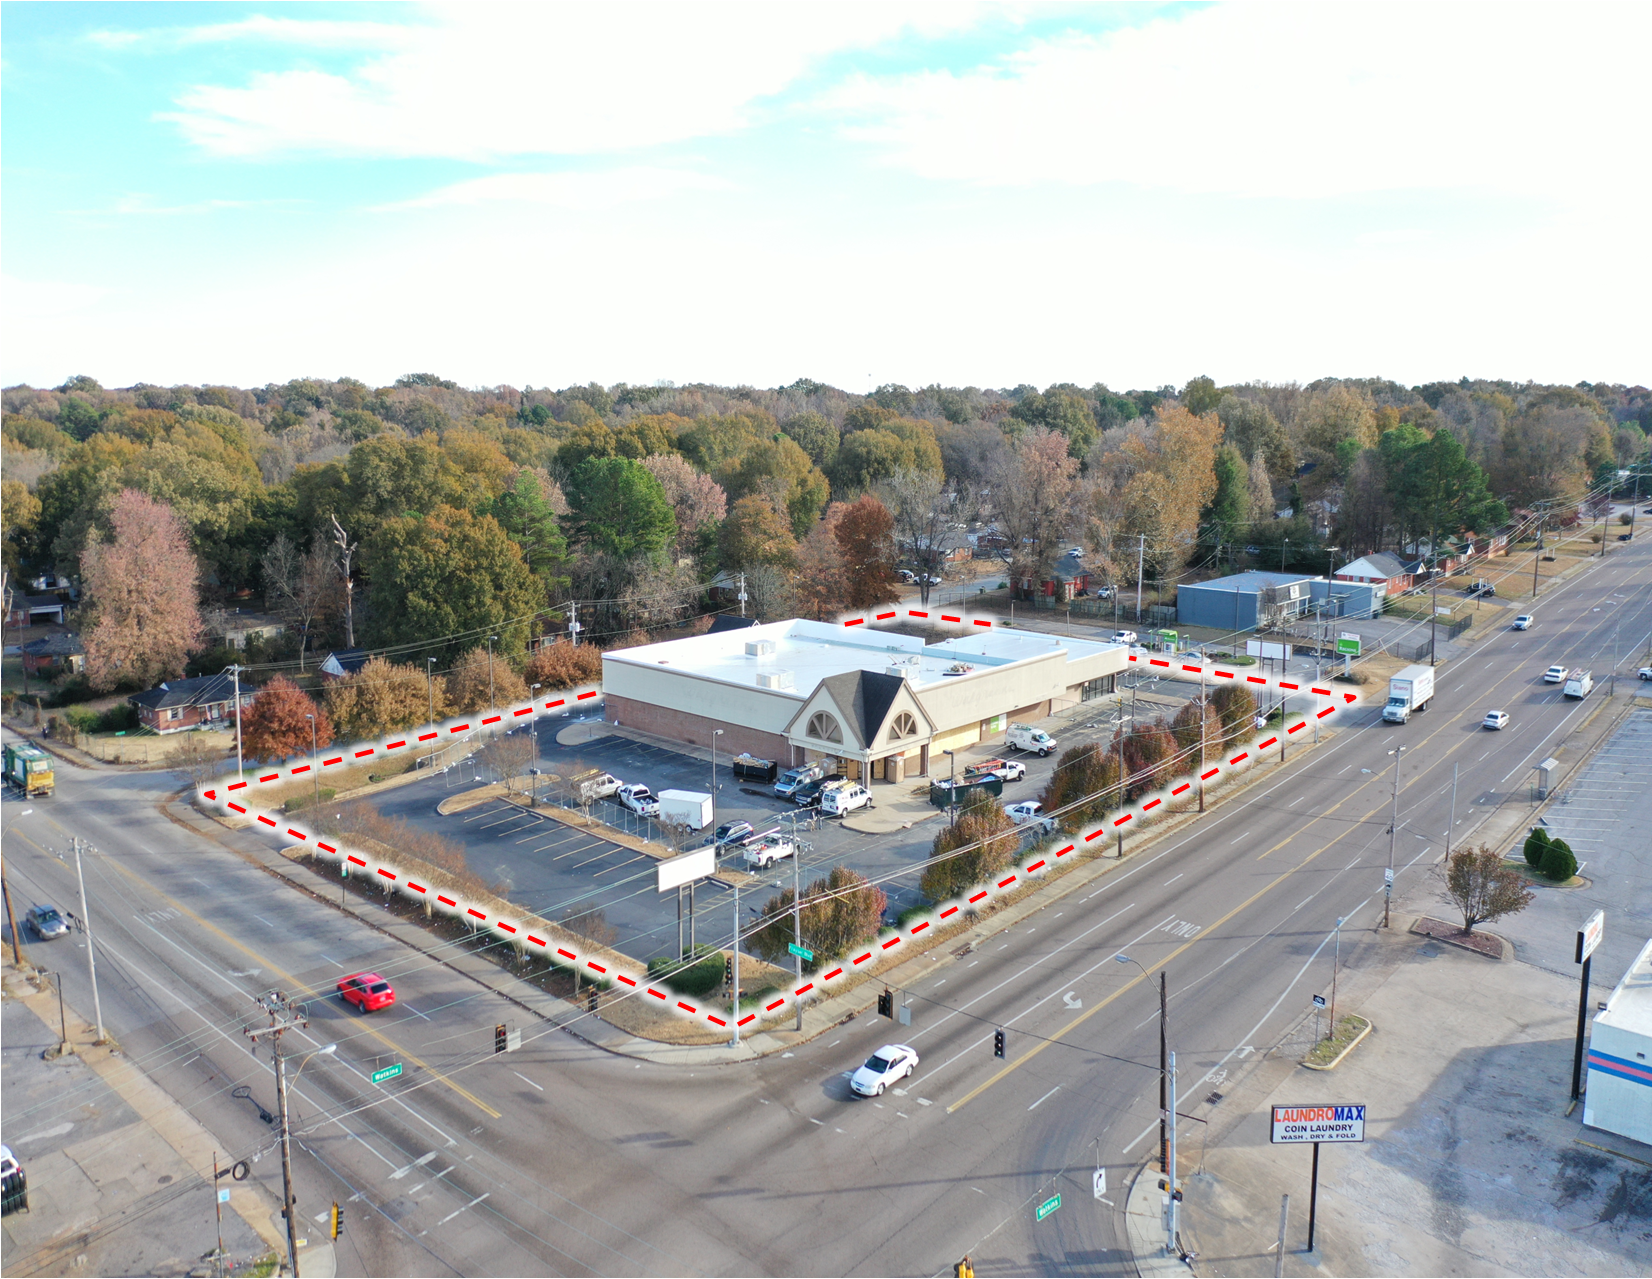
x=1318, y=1123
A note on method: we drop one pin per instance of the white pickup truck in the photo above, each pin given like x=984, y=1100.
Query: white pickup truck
x=765, y=852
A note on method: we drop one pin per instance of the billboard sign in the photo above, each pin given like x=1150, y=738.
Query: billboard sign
x=1589, y=936
x=1264, y=648
x=1297, y=1124
x=684, y=868
x=1348, y=645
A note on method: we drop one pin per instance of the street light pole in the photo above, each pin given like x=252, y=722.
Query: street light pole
x=430, y=685
x=797, y=920
x=952, y=790
x=715, y=734
x=533, y=731
x=1164, y=1061
x=91, y=958
x=734, y=1006
x=491, y=639
x=315, y=772
x=1394, y=834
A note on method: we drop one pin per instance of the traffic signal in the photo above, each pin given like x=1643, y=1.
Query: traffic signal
x=500, y=1038
x=997, y=1043
x=591, y=1001
x=886, y=1003
x=728, y=970
x=1174, y=1194
x=338, y=1219
x=964, y=1269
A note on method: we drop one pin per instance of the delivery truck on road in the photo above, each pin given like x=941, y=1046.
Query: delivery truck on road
x=29, y=769
x=1408, y=691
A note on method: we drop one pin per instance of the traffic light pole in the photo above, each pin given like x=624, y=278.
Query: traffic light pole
x=284, y=1015
x=734, y=1010
x=1170, y=1219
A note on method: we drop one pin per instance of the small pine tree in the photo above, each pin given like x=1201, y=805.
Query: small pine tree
x=1537, y=844
x=1559, y=863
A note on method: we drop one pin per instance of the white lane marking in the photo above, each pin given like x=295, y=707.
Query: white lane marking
x=1232, y=842
x=420, y=1162
x=56, y=1130
x=925, y=1101
x=1150, y=1127
x=411, y=1009
x=1072, y=1000
x=813, y=1120
x=1045, y=1098
x=527, y=1081
x=331, y=960
x=450, y=1216
x=1169, y=882
x=263, y=921
x=1298, y=799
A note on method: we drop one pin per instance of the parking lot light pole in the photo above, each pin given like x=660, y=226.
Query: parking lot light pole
x=1394, y=834
x=797, y=922
x=952, y=791
x=715, y=734
x=316, y=772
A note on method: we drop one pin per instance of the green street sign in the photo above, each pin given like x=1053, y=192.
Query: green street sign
x=389, y=1072
x=1048, y=1206
x=1348, y=647
x=803, y=954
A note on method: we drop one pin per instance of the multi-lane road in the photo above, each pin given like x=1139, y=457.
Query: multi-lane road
x=564, y=1159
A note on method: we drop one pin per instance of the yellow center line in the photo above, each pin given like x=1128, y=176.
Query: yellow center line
x=289, y=980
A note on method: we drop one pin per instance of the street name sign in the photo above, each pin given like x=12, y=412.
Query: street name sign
x=1301, y=1124
x=1048, y=1206
x=1589, y=936
x=802, y=952
x=389, y=1072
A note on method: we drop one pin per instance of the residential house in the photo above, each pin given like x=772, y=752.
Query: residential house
x=1389, y=572
x=1062, y=583
x=54, y=655
x=343, y=661
x=208, y=701
x=33, y=610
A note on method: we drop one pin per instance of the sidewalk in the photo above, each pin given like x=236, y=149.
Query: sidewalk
x=1470, y=1165
x=120, y=1174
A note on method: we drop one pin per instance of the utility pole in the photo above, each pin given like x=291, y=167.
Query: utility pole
x=491, y=639
x=742, y=594
x=1164, y=1074
x=314, y=769
x=574, y=628
x=284, y=1015
x=952, y=791
x=1538, y=554
x=533, y=769
x=715, y=734
x=1434, y=608
x=1171, y=1216
x=346, y=549
x=1394, y=834
x=1204, y=714
x=11, y=919
x=91, y=957
x=734, y=1006
x=240, y=768
x=430, y=685
x=1141, y=547
x=797, y=920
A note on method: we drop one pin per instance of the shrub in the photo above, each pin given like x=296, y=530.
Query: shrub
x=308, y=797
x=1537, y=844
x=1559, y=864
x=699, y=978
x=560, y=665
x=912, y=913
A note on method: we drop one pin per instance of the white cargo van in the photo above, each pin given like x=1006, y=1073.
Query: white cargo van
x=1024, y=737
x=1579, y=684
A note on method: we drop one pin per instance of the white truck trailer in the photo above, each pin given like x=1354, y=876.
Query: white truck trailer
x=1408, y=691
x=685, y=808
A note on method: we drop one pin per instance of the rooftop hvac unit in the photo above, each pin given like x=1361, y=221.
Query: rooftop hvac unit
x=759, y=648
x=902, y=670
x=774, y=679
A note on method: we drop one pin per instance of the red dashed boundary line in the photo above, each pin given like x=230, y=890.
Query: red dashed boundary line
x=219, y=794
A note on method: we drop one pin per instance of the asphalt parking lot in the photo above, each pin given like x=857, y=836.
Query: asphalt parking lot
x=557, y=871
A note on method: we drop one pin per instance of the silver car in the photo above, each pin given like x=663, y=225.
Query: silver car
x=47, y=922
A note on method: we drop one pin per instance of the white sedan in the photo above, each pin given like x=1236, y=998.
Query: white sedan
x=1495, y=719
x=639, y=799
x=1555, y=675
x=1523, y=622
x=890, y=1064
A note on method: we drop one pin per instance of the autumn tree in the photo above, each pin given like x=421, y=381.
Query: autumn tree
x=1479, y=885
x=142, y=600
x=747, y=455
x=448, y=573
x=820, y=584
x=922, y=514
x=815, y=435
x=560, y=664
x=277, y=724
x=383, y=696
x=864, y=531
x=1171, y=479
x=697, y=501
x=979, y=845
x=478, y=682
x=1185, y=728
x=838, y=912
x=1033, y=496
x=1087, y=779
x=19, y=514
x=864, y=458
x=1150, y=760
x=1251, y=428
x=756, y=533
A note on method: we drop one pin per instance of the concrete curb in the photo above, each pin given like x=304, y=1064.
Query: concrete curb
x=1353, y=1044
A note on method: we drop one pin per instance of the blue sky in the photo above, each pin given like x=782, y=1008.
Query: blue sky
x=859, y=193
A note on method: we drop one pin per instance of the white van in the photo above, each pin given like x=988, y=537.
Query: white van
x=1579, y=684
x=844, y=799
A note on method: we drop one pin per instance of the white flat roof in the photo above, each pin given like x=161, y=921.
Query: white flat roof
x=1630, y=1007
x=811, y=651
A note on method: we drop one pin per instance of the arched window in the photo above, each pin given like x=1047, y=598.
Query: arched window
x=904, y=726
x=823, y=728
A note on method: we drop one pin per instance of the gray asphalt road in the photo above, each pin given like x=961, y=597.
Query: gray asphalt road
x=561, y=1159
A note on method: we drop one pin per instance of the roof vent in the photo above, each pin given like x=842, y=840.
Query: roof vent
x=759, y=648
x=774, y=679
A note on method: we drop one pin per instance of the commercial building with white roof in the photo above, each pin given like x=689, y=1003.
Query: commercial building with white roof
x=1618, y=1097
x=879, y=703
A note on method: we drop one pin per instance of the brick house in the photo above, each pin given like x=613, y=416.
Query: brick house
x=1382, y=569
x=33, y=610
x=54, y=655
x=207, y=701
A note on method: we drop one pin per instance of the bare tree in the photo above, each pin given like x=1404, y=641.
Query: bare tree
x=925, y=511
x=509, y=756
x=346, y=549
x=1483, y=888
x=301, y=584
x=1032, y=494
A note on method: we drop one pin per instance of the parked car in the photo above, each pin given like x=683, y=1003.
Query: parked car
x=907, y=575
x=1523, y=622
x=367, y=991
x=808, y=794
x=1075, y=552
x=1481, y=587
x=1495, y=719
x=785, y=786
x=1645, y=672
x=1104, y=592
x=840, y=801
x=590, y=789
x=1624, y=537
x=46, y=922
x=889, y=1065
x=731, y=835
x=639, y=799
x=1030, y=813
x=1555, y=675
x=1126, y=637
x=14, y=1183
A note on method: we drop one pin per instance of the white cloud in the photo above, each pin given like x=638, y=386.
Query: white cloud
x=259, y=29
x=490, y=80
x=579, y=191
x=1288, y=100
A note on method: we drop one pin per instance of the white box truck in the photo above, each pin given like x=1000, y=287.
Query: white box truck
x=685, y=808
x=1579, y=684
x=1408, y=691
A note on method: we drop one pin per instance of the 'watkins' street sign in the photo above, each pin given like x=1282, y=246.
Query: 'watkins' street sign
x=1318, y=1123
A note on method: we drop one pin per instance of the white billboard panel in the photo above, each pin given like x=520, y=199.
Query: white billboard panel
x=1318, y=1123
x=676, y=871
